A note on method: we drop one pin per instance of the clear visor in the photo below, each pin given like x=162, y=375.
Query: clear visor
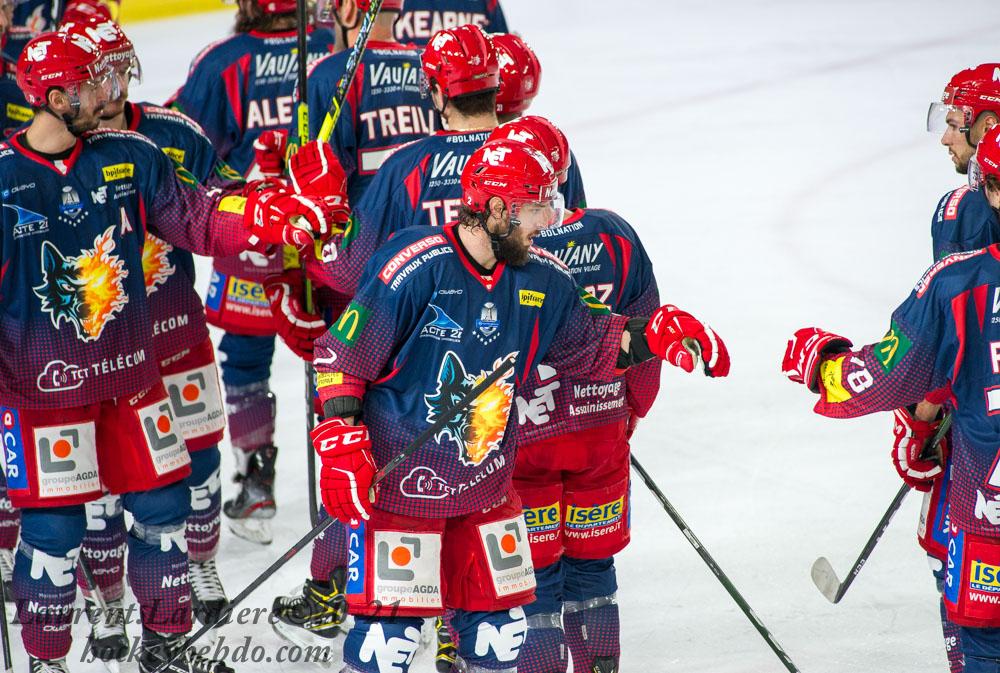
x=937, y=117
x=536, y=215
x=98, y=90
x=128, y=69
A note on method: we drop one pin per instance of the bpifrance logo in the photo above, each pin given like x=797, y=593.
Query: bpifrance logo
x=87, y=291
x=156, y=266
x=479, y=430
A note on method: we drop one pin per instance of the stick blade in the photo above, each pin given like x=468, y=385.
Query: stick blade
x=826, y=580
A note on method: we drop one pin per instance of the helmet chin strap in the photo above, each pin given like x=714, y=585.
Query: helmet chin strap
x=495, y=238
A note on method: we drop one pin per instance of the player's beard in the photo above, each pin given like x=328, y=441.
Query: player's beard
x=79, y=125
x=513, y=249
x=113, y=109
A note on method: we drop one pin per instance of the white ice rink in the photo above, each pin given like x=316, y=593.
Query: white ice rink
x=773, y=157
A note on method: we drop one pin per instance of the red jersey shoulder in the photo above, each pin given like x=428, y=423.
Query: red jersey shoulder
x=925, y=281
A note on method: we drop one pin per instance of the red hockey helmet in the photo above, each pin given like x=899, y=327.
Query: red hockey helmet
x=277, y=6
x=65, y=61
x=986, y=161
x=540, y=134
x=461, y=61
x=970, y=92
x=81, y=10
x=113, y=42
x=520, y=176
x=520, y=73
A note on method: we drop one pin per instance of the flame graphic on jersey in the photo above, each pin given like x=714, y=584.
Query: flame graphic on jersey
x=156, y=266
x=86, y=291
x=479, y=430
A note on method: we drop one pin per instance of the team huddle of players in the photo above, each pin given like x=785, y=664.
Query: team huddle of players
x=436, y=236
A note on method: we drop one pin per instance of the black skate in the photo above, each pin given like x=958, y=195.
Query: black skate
x=313, y=617
x=208, y=598
x=158, y=648
x=444, y=660
x=47, y=665
x=250, y=512
x=107, y=641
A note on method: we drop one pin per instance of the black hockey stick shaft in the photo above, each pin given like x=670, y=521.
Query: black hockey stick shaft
x=8, y=661
x=713, y=566
x=353, y=61
x=930, y=451
x=467, y=400
x=92, y=587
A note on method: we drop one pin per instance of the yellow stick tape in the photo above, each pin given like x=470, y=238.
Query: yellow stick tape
x=148, y=10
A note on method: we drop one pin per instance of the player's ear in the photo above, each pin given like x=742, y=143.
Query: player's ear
x=989, y=121
x=58, y=101
x=496, y=207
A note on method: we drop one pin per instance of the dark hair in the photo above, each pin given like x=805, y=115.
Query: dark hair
x=469, y=218
x=475, y=104
x=993, y=183
x=256, y=19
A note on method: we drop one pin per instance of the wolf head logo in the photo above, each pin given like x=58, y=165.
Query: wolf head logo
x=86, y=291
x=479, y=429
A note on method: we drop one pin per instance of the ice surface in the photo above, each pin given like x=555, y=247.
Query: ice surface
x=772, y=155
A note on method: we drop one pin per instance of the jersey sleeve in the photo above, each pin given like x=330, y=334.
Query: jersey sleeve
x=207, y=166
x=213, y=109
x=916, y=356
x=587, y=338
x=639, y=297
x=181, y=211
x=962, y=222
x=363, y=341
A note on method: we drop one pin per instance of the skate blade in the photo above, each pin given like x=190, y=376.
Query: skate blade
x=257, y=531
x=309, y=642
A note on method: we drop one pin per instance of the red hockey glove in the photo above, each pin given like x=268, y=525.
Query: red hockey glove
x=348, y=468
x=269, y=153
x=280, y=217
x=297, y=327
x=671, y=332
x=910, y=438
x=315, y=170
x=805, y=351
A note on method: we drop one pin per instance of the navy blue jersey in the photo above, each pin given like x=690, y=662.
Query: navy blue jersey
x=14, y=110
x=420, y=19
x=963, y=221
x=16, y=39
x=606, y=258
x=75, y=323
x=383, y=109
x=243, y=85
x=424, y=327
x=420, y=184
x=946, y=332
x=38, y=16
x=572, y=189
x=178, y=314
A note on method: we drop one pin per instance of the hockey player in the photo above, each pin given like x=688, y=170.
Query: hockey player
x=187, y=364
x=421, y=19
x=520, y=78
x=939, y=337
x=256, y=69
x=963, y=220
x=82, y=406
x=438, y=309
x=572, y=466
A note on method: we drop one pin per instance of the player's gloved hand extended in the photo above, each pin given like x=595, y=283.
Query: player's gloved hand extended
x=269, y=152
x=677, y=337
x=297, y=327
x=315, y=170
x=805, y=352
x=910, y=446
x=347, y=468
x=277, y=216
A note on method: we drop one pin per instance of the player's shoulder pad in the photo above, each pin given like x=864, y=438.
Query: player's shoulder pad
x=102, y=135
x=960, y=204
x=171, y=116
x=331, y=62
x=547, y=259
x=223, y=48
x=946, y=268
x=407, y=254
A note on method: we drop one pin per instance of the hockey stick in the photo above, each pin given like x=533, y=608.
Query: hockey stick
x=467, y=400
x=8, y=661
x=825, y=577
x=713, y=566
